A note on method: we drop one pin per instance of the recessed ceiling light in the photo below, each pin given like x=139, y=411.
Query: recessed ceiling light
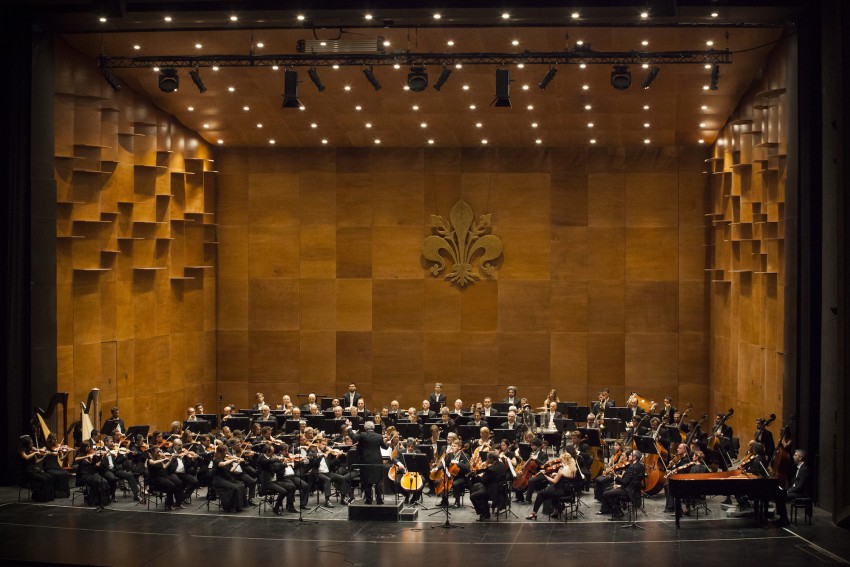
x=156, y=69
x=415, y=107
x=505, y=15
x=458, y=66
x=709, y=43
x=646, y=124
x=406, y=88
x=484, y=141
x=206, y=125
x=137, y=47
x=271, y=141
x=582, y=66
x=466, y=87
x=707, y=65
x=300, y=17
x=334, y=66
x=530, y=107
x=587, y=107
x=646, y=107
x=246, y=108
x=646, y=141
x=215, y=67
x=368, y=125
x=358, y=107
x=437, y=16
x=423, y=125
x=585, y=87
x=430, y=141
x=644, y=15
x=198, y=46
x=478, y=124
x=450, y=43
x=275, y=67
x=191, y=108
x=167, y=18
x=704, y=107
x=259, y=124
x=515, y=42
x=347, y=87
x=302, y=107
x=377, y=140
x=644, y=42
x=231, y=89
x=396, y=66
x=324, y=141
x=575, y=15
x=525, y=87
x=314, y=125
x=102, y=20
x=386, y=43
x=714, y=15
x=702, y=124
x=221, y=141
x=705, y=87
x=590, y=124
x=234, y=18
x=534, y=124
x=368, y=16
x=700, y=141
x=593, y=140
x=538, y=141
x=261, y=45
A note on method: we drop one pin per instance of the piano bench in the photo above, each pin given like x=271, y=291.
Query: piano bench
x=807, y=506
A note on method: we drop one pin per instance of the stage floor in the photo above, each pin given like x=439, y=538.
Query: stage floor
x=129, y=534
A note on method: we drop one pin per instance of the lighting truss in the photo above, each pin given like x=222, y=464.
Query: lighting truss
x=712, y=56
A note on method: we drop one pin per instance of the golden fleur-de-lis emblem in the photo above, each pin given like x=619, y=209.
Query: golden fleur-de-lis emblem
x=461, y=242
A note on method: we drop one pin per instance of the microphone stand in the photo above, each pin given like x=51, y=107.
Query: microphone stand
x=447, y=525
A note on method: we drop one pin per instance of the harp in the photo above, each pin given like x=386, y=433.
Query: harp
x=43, y=416
x=87, y=411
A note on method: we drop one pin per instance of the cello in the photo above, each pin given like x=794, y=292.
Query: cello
x=780, y=465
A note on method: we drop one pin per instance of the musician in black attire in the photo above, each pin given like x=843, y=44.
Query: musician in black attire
x=369, y=445
x=182, y=470
x=291, y=476
x=438, y=398
x=765, y=437
x=629, y=488
x=33, y=471
x=114, y=423
x=158, y=466
x=268, y=467
x=560, y=485
x=230, y=492
x=486, y=485
x=324, y=464
x=456, y=456
x=606, y=480
x=113, y=466
x=681, y=462
x=537, y=482
x=800, y=487
x=52, y=466
x=87, y=475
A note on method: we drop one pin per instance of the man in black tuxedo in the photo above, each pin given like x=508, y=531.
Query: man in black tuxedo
x=512, y=397
x=799, y=487
x=114, y=423
x=349, y=399
x=511, y=423
x=438, y=398
x=427, y=412
x=260, y=400
x=369, y=445
x=488, y=408
x=487, y=485
x=765, y=437
x=630, y=487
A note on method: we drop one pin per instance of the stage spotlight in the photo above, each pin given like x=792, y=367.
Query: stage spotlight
x=621, y=77
x=715, y=76
x=444, y=76
x=370, y=76
x=550, y=74
x=650, y=76
x=108, y=76
x=314, y=76
x=503, y=92
x=290, y=89
x=168, y=80
x=195, y=73
x=417, y=79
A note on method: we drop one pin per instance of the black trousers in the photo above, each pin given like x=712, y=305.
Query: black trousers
x=98, y=489
x=230, y=494
x=112, y=476
x=293, y=484
x=551, y=492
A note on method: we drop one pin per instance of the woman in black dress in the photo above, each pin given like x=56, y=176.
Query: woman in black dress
x=230, y=492
x=158, y=467
x=33, y=471
x=52, y=466
x=88, y=476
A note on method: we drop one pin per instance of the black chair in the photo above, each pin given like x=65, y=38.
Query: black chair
x=155, y=494
x=807, y=505
x=24, y=483
x=502, y=503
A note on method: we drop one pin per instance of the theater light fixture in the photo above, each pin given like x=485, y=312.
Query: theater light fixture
x=444, y=76
x=168, y=80
x=550, y=74
x=715, y=77
x=417, y=79
x=290, y=89
x=108, y=76
x=195, y=73
x=650, y=76
x=621, y=77
x=370, y=76
x=503, y=92
x=314, y=76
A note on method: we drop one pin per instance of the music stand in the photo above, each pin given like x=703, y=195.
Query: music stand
x=565, y=425
x=315, y=421
x=326, y=403
x=135, y=430
x=562, y=407
x=407, y=430
x=468, y=432
x=614, y=427
x=211, y=417
x=268, y=423
x=578, y=413
x=509, y=434
x=239, y=423
x=197, y=426
x=418, y=463
x=292, y=426
x=552, y=438
x=591, y=436
x=108, y=426
x=333, y=426
x=461, y=419
x=502, y=407
x=494, y=421
x=524, y=451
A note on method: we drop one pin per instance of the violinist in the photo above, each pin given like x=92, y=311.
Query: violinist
x=182, y=469
x=96, y=440
x=268, y=467
x=626, y=488
x=33, y=470
x=486, y=483
x=114, y=465
x=53, y=467
x=160, y=479
x=256, y=433
x=290, y=476
x=87, y=475
x=324, y=462
x=680, y=462
x=619, y=461
x=559, y=485
x=230, y=492
x=582, y=455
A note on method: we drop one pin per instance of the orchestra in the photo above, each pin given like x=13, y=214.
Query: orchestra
x=332, y=446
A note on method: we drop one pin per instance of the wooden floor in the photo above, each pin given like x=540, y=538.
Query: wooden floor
x=129, y=534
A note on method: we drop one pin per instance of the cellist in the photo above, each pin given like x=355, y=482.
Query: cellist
x=456, y=464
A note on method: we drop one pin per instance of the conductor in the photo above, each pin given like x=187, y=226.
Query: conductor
x=369, y=445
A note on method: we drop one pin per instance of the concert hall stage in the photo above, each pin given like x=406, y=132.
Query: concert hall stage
x=128, y=534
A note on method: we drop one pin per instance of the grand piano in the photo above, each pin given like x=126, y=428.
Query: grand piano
x=726, y=483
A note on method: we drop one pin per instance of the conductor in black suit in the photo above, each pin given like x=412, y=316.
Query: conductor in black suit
x=369, y=445
x=629, y=487
x=349, y=399
x=438, y=398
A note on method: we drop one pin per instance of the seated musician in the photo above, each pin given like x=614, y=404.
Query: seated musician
x=511, y=423
x=488, y=408
x=636, y=410
x=191, y=414
x=265, y=413
x=511, y=397
x=52, y=465
x=32, y=466
x=361, y=409
x=324, y=462
x=626, y=488
x=313, y=409
x=176, y=430
x=535, y=484
x=292, y=476
x=426, y=412
x=724, y=434
x=354, y=418
x=116, y=464
x=96, y=440
x=679, y=463
x=800, y=487
x=199, y=409
x=230, y=492
x=457, y=408
x=619, y=460
x=476, y=419
x=268, y=466
x=560, y=484
x=550, y=416
x=582, y=455
x=395, y=410
x=460, y=481
x=412, y=417
x=636, y=427
x=160, y=478
x=227, y=413
x=87, y=475
x=244, y=472
x=591, y=421
x=487, y=484
x=255, y=434
x=115, y=421
x=410, y=496
x=311, y=399
x=182, y=470
x=445, y=418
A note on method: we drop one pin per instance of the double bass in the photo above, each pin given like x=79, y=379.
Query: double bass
x=780, y=466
